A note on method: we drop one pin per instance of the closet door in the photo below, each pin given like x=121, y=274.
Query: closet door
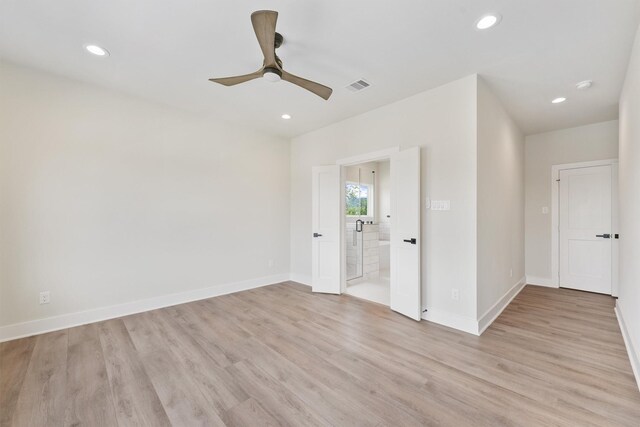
x=586, y=229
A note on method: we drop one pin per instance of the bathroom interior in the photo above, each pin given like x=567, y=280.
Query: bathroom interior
x=367, y=194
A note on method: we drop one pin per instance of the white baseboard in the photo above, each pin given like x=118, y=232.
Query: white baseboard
x=468, y=324
x=455, y=321
x=634, y=357
x=541, y=281
x=492, y=314
x=55, y=323
x=303, y=279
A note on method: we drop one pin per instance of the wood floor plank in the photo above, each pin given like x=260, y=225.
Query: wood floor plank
x=367, y=385
x=435, y=413
x=281, y=355
x=215, y=383
x=175, y=386
x=89, y=401
x=315, y=363
x=136, y=401
x=214, y=332
x=336, y=409
x=14, y=361
x=42, y=397
x=286, y=407
x=247, y=413
x=517, y=377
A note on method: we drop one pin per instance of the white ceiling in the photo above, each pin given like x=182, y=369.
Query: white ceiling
x=166, y=51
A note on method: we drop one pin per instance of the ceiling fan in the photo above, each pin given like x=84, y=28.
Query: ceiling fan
x=264, y=25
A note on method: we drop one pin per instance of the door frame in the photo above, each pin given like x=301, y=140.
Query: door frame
x=374, y=156
x=555, y=218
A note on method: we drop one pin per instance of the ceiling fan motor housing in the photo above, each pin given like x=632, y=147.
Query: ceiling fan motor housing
x=272, y=74
x=278, y=40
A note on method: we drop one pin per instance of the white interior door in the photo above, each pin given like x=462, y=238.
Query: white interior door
x=325, y=220
x=585, y=229
x=405, y=233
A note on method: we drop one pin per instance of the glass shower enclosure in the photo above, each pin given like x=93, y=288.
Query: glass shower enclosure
x=356, y=202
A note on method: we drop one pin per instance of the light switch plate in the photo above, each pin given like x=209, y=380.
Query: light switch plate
x=440, y=205
x=545, y=210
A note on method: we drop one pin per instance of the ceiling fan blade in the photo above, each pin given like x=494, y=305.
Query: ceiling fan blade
x=323, y=92
x=230, y=81
x=264, y=25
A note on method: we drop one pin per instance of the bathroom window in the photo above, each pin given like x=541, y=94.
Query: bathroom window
x=359, y=199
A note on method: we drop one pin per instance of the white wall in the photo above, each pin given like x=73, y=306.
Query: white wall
x=628, y=304
x=383, y=201
x=585, y=143
x=362, y=173
x=107, y=199
x=500, y=202
x=443, y=122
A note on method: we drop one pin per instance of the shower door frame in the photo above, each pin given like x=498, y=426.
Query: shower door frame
x=358, y=235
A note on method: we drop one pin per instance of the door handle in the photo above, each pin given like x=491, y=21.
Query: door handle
x=412, y=241
x=604, y=236
x=317, y=235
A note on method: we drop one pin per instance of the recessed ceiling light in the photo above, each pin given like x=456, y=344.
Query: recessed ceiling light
x=584, y=85
x=96, y=50
x=559, y=100
x=286, y=116
x=487, y=21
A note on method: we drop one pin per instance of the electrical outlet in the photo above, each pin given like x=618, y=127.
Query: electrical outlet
x=270, y=263
x=45, y=297
x=511, y=273
x=455, y=294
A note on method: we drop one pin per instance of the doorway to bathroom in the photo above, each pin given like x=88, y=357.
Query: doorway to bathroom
x=332, y=209
x=367, y=191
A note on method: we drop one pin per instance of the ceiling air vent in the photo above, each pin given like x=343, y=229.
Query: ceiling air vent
x=358, y=85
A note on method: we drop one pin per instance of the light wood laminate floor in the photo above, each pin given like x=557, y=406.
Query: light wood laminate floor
x=280, y=355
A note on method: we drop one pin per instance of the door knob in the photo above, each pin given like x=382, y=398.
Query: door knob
x=604, y=236
x=412, y=241
x=317, y=235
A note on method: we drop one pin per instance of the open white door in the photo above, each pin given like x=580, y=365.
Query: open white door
x=325, y=220
x=405, y=233
x=585, y=229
